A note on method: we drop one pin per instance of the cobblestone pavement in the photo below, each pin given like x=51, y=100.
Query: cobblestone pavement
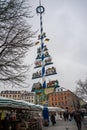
x=64, y=125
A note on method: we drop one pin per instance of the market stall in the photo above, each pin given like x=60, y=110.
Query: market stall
x=22, y=115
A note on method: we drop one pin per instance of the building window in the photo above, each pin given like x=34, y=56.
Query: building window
x=62, y=103
x=66, y=102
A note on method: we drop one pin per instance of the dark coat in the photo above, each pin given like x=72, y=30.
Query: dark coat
x=77, y=116
x=53, y=119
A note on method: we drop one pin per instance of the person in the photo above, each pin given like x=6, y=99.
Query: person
x=78, y=119
x=70, y=116
x=3, y=115
x=53, y=119
x=13, y=119
x=66, y=115
x=7, y=122
x=13, y=115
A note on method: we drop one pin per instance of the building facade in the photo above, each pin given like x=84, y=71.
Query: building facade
x=19, y=95
x=28, y=96
x=64, y=99
x=11, y=94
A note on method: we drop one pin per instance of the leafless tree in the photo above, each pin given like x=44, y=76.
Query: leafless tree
x=15, y=40
x=81, y=89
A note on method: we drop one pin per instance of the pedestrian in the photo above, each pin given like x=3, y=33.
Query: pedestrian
x=66, y=115
x=78, y=119
x=53, y=120
x=70, y=116
x=7, y=122
x=3, y=115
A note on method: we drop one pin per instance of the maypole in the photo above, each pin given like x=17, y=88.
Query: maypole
x=40, y=10
x=42, y=61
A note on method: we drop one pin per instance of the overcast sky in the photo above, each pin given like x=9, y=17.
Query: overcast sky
x=65, y=23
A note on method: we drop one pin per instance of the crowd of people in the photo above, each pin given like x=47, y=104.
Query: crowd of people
x=77, y=115
x=7, y=119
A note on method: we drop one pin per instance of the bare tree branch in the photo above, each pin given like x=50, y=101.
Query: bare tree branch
x=15, y=40
x=81, y=89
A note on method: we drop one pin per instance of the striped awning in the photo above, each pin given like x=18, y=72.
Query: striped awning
x=11, y=103
x=7, y=103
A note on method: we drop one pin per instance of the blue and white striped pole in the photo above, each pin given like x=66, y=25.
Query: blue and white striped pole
x=40, y=9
